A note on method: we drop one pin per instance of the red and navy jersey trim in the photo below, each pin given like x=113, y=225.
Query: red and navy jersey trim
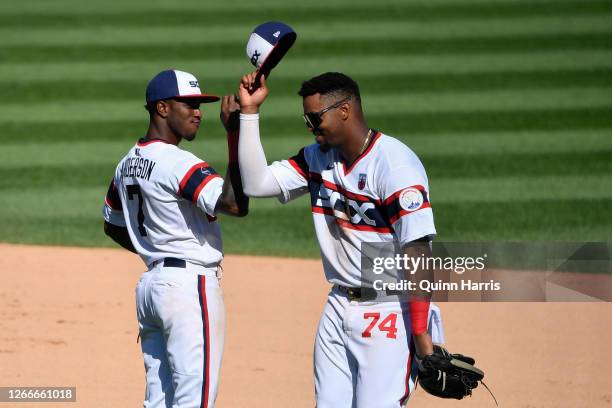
x=358, y=211
x=316, y=177
x=112, y=197
x=206, y=341
x=298, y=162
x=363, y=213
x=145, y=142
x=395, y=211
x=348, y=224
x=195, y=179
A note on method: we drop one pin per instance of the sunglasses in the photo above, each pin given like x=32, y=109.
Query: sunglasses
x=313, y=119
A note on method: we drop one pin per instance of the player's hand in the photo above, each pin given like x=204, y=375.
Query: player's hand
x=250, y=97
x=229, y=115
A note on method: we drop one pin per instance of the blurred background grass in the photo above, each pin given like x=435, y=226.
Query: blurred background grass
x=507, y=102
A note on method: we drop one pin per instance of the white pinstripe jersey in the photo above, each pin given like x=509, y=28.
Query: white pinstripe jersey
x=382, y=197
x=166, y=198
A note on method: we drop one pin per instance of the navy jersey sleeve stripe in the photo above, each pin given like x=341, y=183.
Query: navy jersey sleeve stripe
x=299, y=164
x=393, y=207
x=195, y=179
x=112, y=197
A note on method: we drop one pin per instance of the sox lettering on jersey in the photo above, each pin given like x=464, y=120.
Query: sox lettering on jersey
x=327, y=198
x=360, y=211
x=351, y=210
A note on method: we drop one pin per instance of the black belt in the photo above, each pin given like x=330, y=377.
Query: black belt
x=364, y=294
x=174, y=263
x=357, y=293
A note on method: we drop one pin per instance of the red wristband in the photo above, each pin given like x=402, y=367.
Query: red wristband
x=419, y=312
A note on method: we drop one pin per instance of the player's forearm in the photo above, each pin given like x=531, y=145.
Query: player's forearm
x=233, y=200
x=257, y=178
x=419, y=250
x=423, y=344
x=120, y=235
x=419, y=300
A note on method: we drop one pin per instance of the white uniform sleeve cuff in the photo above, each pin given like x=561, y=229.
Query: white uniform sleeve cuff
x=249, y=116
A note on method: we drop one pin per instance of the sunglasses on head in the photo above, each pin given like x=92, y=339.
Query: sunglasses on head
x=313, y=119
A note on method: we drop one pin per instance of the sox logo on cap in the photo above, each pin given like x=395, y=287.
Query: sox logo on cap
x=268, y=44
x=173, y=83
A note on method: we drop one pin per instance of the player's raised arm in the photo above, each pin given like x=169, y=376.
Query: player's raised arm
x=232, y=201
x=257, y=178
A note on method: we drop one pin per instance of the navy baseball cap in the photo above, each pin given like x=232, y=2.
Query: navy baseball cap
x=173, y=83
x=268, y=44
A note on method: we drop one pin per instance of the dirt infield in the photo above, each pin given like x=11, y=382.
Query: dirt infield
x=67, y=318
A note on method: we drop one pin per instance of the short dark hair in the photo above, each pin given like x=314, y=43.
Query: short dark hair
x=330, y=83
x=150, y=107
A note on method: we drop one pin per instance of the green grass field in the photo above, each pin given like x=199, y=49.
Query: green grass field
x=507, y=102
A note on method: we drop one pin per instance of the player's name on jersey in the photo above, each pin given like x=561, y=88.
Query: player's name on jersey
x=137, y=167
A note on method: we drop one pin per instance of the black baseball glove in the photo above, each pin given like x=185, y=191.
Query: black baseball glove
x=448, y=375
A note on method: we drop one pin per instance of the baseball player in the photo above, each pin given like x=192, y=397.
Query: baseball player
x=163, y=204
x=364, y=186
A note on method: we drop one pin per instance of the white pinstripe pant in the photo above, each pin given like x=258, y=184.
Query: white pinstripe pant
x=181, y=318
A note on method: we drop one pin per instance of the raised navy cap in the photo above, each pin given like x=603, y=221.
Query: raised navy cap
x=173, y=83
x=268, y=44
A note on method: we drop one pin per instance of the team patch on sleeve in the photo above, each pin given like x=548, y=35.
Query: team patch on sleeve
x=112, y=197
x=406, y=201
x=195, y=180
x=298, y=162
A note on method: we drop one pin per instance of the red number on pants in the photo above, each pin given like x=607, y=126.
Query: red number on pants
x=368, y=331
x=387, y=325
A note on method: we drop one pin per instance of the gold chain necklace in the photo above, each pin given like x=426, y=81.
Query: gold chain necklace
x=365, y=142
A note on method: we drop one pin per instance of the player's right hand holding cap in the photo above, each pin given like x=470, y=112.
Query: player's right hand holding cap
x=252, y=95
